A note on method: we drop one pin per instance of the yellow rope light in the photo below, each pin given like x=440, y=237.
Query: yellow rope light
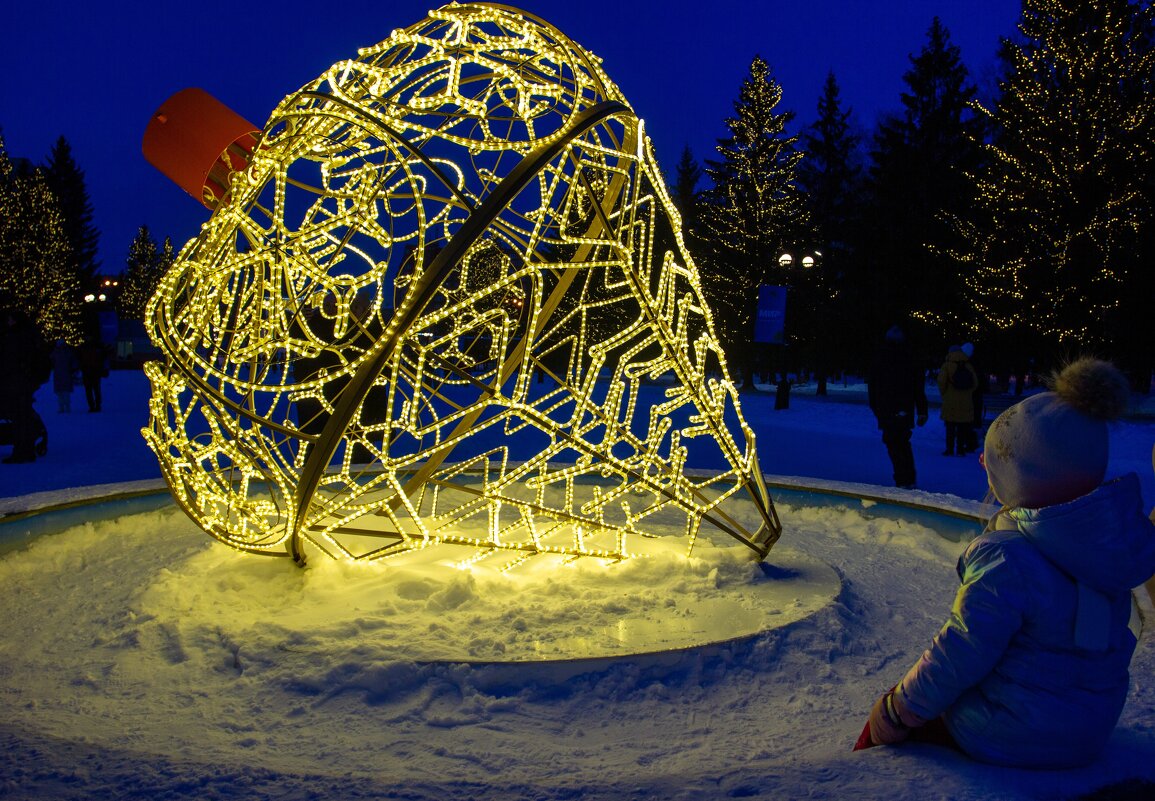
x=443, y=253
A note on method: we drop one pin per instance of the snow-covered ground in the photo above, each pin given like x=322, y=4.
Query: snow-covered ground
x=140, y=659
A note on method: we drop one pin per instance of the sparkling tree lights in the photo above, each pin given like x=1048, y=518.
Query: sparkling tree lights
x=752, y=211
x=145, y=265
x=408, y=284
x=36, y=262
x=1062, y=237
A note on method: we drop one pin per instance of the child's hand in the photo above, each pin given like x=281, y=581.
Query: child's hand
x=886, y=726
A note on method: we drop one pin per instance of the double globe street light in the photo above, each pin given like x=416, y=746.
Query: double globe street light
x=808, y=260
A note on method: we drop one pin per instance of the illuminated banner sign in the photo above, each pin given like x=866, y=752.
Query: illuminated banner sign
x=770, y=324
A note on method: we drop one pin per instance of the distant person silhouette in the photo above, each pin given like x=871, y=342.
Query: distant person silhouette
x=93, y=367
x=898, y=399
x=956, y=383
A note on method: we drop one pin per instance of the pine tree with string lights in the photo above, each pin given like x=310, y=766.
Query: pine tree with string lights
x=752, y=211
x=145, y=265
x=35, y=256
x=1064, y=229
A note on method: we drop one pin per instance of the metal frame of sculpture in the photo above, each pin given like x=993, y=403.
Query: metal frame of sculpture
x=427, y=312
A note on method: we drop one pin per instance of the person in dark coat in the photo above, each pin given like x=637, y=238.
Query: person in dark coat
x=24, y=366
x=898, y=400
x=93, y=367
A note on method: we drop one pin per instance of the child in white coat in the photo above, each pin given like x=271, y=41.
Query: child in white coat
x=1031, y=668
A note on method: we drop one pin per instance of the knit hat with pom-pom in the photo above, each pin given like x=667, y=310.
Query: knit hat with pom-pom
x=1052, y=447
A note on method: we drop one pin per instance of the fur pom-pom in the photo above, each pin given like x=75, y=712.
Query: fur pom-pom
x=1094, y=387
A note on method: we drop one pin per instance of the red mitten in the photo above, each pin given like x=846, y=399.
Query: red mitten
x=864, y=740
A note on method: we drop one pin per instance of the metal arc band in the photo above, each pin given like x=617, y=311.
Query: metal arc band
x=418, y=297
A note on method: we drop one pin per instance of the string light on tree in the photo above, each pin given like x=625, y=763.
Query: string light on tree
x=36, y=261
x=1059, y=247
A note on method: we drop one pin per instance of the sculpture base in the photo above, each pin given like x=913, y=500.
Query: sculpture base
x=426, y=606
x=130, y=630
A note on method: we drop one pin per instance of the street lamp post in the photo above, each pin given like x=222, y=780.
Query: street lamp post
x=808, y=260
x=786, y=262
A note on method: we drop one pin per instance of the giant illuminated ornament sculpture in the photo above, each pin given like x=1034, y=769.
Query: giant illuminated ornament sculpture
x=428, y=307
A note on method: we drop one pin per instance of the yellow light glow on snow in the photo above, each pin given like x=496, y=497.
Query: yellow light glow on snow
x=454, y=248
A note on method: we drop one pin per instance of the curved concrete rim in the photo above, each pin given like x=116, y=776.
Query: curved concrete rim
x=22, y=506
x=727, y=620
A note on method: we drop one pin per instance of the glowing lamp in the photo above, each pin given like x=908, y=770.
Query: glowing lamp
x=785, y=260
x=434, y=309
x=198, y=142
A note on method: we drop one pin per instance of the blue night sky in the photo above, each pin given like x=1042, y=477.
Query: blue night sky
x=95, y=72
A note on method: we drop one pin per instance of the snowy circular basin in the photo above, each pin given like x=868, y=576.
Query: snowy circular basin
x=129, y=631
x=179, y=589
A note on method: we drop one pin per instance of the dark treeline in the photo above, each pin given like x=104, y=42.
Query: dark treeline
x=1022, y=222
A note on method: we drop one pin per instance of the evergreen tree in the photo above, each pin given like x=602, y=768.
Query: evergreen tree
x=917, y=185
x=35, y=256
x=830, y=174
x=831, y=177
x=686, y=187
x=1064, y=230
x=145, y=266
x=752, y=212
x=66, y=180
